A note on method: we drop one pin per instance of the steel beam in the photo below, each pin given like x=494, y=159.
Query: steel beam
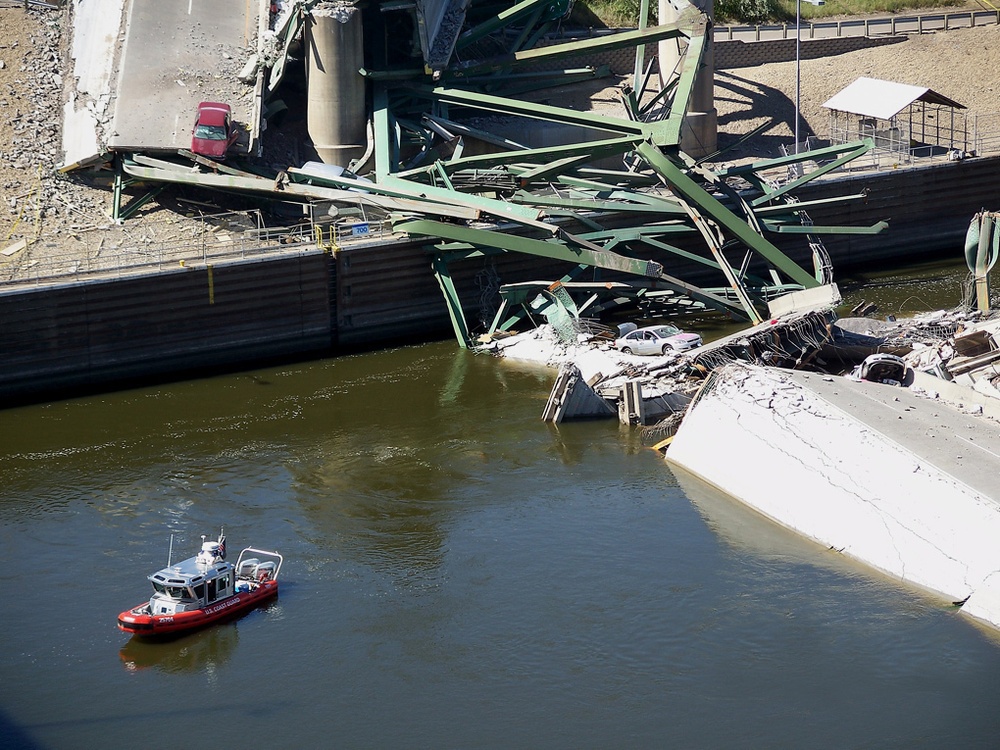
x=582, y=251
x=502, y=19
x=858, y=148
x=791, y=208
x=781, y=228
x=592, y=149
x=577, y=48
x=384, y=136
x=806, y=178
x=584, y=203
x=738, y=227
x=534, y=110
x=668, y=132
x=454, y=304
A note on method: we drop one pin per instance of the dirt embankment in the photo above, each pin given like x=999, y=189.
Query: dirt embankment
x=960, y=64
x=52, y=212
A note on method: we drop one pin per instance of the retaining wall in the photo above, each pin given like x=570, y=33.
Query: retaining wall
x=60, y=338
x=730, y=55
x=102, y=332
x=738, y=54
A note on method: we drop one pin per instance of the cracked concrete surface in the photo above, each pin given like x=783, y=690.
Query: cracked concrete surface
x=896, y=480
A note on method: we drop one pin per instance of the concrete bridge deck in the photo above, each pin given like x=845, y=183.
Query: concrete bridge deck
x=892, y=478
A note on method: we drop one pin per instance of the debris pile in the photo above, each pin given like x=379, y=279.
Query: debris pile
x=30, y=97
x=636, y=388
x=958, y=348
x=38, y=201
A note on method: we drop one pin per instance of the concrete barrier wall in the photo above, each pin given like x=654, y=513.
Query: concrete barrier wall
x=59, y=338
x=738, y=54
x=390, y=293
x=743, y=54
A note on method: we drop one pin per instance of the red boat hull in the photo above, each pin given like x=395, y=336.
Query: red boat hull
x=152, y=626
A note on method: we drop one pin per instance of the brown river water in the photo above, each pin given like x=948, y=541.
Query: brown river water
x=457, y=574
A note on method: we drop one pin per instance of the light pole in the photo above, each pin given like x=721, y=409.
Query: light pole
x=798, y=64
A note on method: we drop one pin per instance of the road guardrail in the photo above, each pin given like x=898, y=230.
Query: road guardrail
x=884, y=26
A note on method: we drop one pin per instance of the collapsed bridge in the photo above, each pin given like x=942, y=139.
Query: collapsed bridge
x=417, y=105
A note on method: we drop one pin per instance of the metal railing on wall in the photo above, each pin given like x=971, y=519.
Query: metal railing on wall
x=985, y=133
x=893, y=150
x=883, y=26
x=217, y=238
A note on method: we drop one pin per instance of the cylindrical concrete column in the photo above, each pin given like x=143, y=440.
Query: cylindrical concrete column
x=336, y=116
x=699, y=135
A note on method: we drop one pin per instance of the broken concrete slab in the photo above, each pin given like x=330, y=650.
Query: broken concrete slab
x=573, y=398
x=15, y=247
x=96, y=26
x=806, y=300
x=596, y=379
x=902, y=483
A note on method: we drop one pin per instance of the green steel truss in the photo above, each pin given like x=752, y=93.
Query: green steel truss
x=452, y=163
x=553, y=202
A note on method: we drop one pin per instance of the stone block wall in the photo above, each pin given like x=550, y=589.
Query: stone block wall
x=739, y=54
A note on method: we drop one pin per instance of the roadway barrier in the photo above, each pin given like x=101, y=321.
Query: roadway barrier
x=867, y=27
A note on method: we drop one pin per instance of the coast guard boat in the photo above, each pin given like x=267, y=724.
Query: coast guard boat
x=203, y=590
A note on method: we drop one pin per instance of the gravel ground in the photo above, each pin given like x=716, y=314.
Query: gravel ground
x=960, y=64
x=65, y=220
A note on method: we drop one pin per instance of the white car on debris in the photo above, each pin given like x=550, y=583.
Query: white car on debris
x=657, y=340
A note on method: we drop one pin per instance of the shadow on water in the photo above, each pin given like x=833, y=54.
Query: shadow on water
x=191, y=653
x=385, y=481
x=12, y=737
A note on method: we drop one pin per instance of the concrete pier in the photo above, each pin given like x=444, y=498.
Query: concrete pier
x=336, y=100
x=895, y=479
x=699, y=136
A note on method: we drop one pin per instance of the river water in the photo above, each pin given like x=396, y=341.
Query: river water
x=457, y=574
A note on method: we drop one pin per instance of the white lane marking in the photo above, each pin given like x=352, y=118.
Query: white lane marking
x=977, y=445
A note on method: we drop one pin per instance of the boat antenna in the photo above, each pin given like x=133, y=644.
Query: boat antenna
x=170, y=552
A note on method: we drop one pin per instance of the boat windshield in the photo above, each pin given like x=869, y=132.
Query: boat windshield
x=174, y=592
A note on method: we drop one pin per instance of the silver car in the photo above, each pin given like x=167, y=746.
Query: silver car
x=657, y=340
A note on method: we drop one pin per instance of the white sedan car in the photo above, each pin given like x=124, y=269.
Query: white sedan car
x=657, y=340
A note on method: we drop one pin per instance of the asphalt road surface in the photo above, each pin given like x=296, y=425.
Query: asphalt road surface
x=176, y=54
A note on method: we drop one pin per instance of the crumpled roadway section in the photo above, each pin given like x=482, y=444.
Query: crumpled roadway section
x=890, y=477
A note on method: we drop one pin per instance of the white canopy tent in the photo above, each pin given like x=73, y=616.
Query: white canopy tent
x=899, y=117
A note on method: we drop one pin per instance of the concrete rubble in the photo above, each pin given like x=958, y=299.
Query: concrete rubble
x=604, y=375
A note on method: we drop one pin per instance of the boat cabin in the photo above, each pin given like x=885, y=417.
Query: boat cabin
x=194, y=583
